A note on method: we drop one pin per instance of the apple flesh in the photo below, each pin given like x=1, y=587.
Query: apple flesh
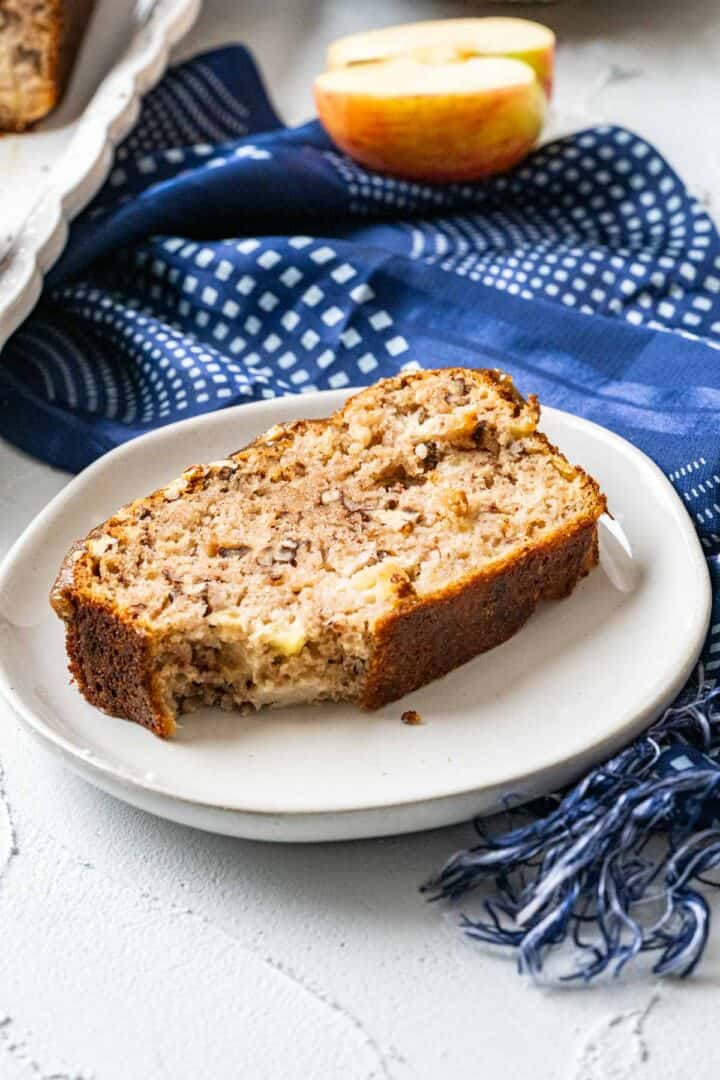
x=443, y=40
x=445, y=120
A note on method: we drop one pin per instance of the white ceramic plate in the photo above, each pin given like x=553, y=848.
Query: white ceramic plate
x=49, y=174
x=582, y=677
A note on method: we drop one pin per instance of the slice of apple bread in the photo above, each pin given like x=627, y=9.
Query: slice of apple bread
x=353, y=558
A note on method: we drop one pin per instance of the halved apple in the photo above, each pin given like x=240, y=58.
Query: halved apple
x=443, y=40
x=433, y=119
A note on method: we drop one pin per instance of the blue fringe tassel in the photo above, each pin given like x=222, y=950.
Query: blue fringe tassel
x=609, y=870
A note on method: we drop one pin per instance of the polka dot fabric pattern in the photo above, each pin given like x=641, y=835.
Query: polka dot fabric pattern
x=597, y=222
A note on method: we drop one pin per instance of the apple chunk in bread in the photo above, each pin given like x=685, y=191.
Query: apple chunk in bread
x=443, y=40
x=458, y=119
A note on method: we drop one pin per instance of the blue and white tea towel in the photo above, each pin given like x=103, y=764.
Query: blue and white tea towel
x=228, y=258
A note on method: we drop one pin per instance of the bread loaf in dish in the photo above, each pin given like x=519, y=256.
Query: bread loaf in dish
x=38, y=43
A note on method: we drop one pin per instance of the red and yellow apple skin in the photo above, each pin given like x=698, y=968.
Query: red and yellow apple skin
x=542, y=61
x=474, y=127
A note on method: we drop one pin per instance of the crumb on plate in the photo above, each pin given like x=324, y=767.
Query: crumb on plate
x=412, y=718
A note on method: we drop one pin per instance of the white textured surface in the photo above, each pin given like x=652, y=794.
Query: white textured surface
x=131, y=948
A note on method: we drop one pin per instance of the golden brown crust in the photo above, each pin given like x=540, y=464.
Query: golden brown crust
x=109, y=660
x=108, y=655
x=427, y=639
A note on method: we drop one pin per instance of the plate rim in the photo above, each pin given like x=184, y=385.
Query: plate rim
x=96, y=770
x=105, y=121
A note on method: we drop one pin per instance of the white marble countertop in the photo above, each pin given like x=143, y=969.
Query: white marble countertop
x=133, y=949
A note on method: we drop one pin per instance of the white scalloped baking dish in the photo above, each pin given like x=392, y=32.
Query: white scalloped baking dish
x=49, y=174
